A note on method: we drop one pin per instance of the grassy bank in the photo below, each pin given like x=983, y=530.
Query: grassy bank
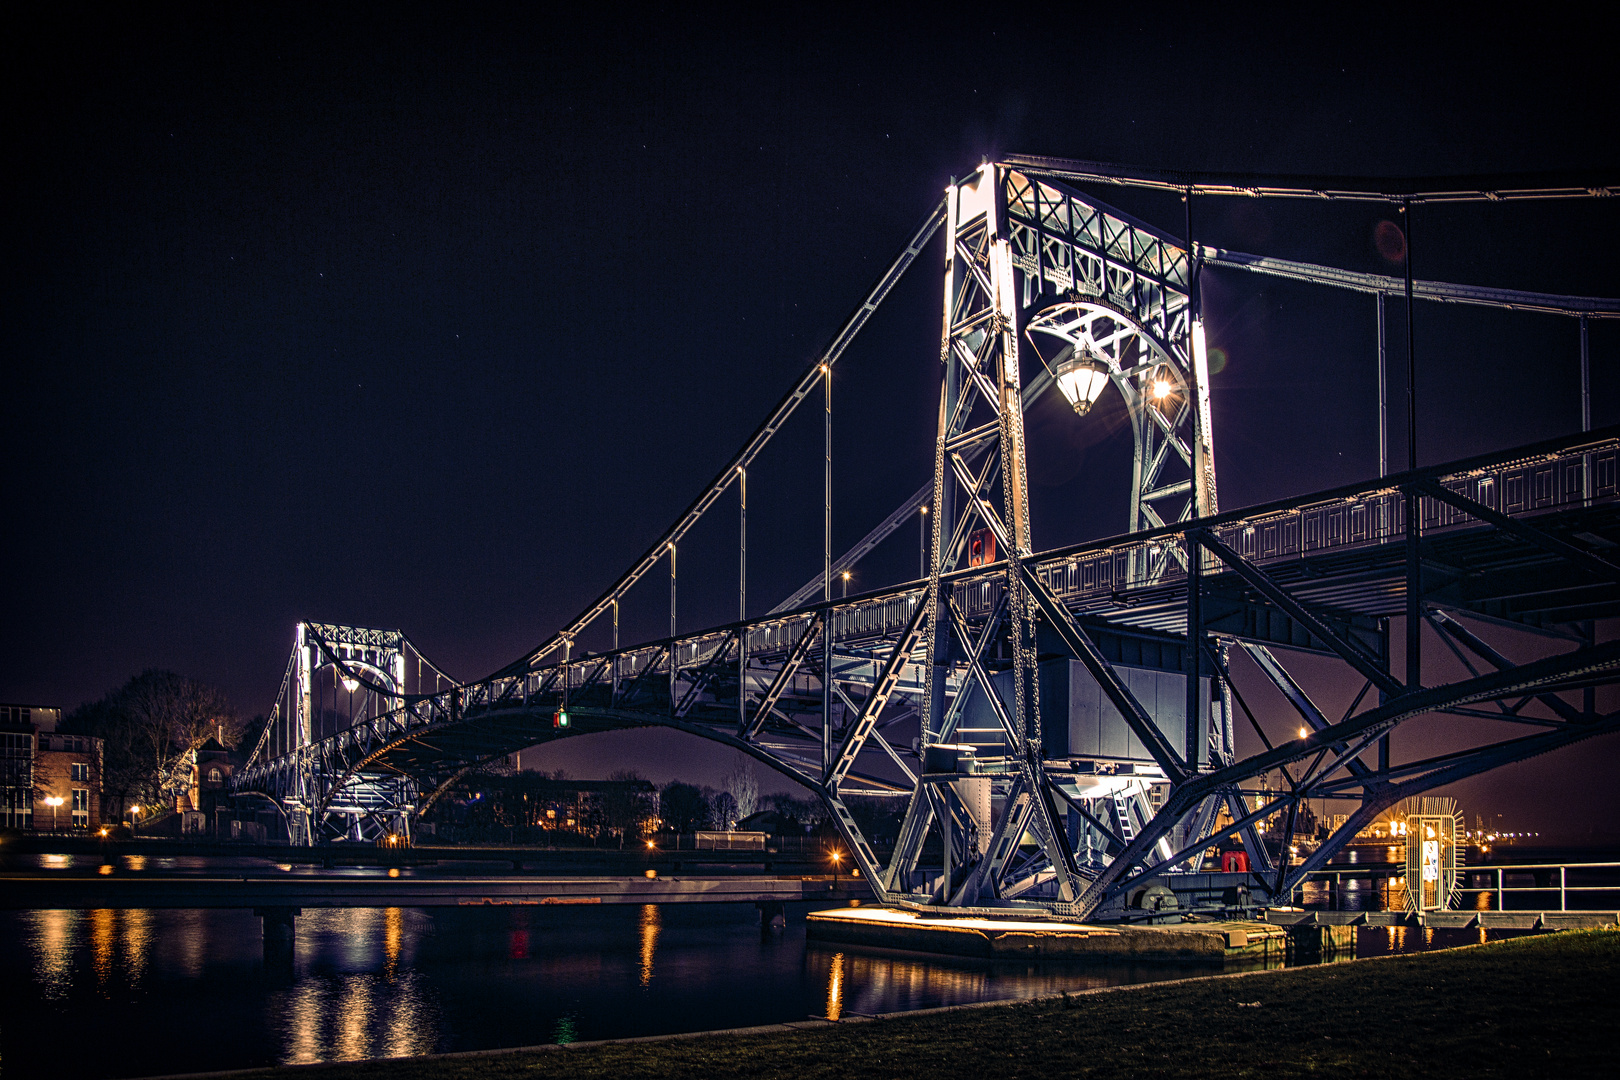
x=1523, y=1008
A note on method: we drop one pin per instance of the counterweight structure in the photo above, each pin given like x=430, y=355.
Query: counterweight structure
x=1059, y=721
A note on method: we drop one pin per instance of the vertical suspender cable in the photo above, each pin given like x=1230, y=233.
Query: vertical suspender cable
x=1414, y=580
x=742, y=594
x=1411, y=354
x=826, y=572
x=1586, y=381
x=1383, y=393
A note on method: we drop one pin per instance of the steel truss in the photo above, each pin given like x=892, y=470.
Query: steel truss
x=344, y=693
x=830, y=693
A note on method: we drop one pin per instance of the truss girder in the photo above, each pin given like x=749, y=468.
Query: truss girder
x=1517, y=538
x=415, y=746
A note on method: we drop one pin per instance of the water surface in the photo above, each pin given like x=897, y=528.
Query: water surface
x=147, y=992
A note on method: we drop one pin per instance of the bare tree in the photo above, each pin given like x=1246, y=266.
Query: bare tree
x=724, y=810
x=743, y=787
x=151, y=727
x=624, y=807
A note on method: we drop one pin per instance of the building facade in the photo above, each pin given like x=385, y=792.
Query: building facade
x=48, y=781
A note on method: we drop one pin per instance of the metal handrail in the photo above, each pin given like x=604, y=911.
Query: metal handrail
x=1501, y=890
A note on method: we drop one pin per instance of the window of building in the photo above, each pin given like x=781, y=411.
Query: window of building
x=81, y=799
x=81, y=772
x=16, y=780
x=214, y=775
x=17, y=807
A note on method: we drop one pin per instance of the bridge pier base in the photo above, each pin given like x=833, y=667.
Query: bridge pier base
x=278, y=939
x=772, y=916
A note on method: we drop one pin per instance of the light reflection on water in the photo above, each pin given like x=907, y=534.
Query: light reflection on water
x=53, y=963
x=650, y=925
x=1356, y=894
x=390, y=982
x=835, y=987
x=358, y=997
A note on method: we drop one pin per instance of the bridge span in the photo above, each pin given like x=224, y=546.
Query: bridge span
x=1060, y=723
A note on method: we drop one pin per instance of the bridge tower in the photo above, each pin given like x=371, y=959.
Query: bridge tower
x=1113, y=300
x=340, y=679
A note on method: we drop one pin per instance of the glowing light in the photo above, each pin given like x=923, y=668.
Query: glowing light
x=651, y=846
x=1161, y=388
x=651, y=874
x=393, y=871
x=1081, y=377
x=351, y=685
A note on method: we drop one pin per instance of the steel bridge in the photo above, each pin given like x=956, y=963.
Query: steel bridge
x=1060, y=724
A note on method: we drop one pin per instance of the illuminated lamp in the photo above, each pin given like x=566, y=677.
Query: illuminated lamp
x=560, y=720
x=1081, y=377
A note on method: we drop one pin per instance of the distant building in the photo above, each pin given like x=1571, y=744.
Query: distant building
x=208, y=791
x=38, y=765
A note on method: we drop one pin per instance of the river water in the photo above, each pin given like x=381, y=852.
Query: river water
x=111, y=993
x=137, y=993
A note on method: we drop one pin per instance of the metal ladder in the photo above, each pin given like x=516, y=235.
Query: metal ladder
x=1122, y=810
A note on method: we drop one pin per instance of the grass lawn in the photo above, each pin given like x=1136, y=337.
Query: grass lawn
x=1529, y=1007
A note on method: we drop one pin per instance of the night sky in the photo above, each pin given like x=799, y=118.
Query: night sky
x=435, y=318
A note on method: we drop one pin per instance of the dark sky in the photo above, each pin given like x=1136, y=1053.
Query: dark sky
x=435, y=318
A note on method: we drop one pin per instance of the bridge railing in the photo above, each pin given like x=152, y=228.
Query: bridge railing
x=1551, y=481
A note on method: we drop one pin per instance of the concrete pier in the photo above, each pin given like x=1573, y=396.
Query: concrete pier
x=278, y=939
x=988, y=937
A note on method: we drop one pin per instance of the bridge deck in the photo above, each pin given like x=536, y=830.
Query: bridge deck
x=1340, y=551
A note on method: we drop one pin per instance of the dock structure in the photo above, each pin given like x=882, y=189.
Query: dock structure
x=1276, y=935
x=1000, y=937
x=1450, y=920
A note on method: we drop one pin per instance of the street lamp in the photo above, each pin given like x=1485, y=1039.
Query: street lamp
x=846, y=583
x=53, y=801
x=1080, y=376
x=134, y=812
